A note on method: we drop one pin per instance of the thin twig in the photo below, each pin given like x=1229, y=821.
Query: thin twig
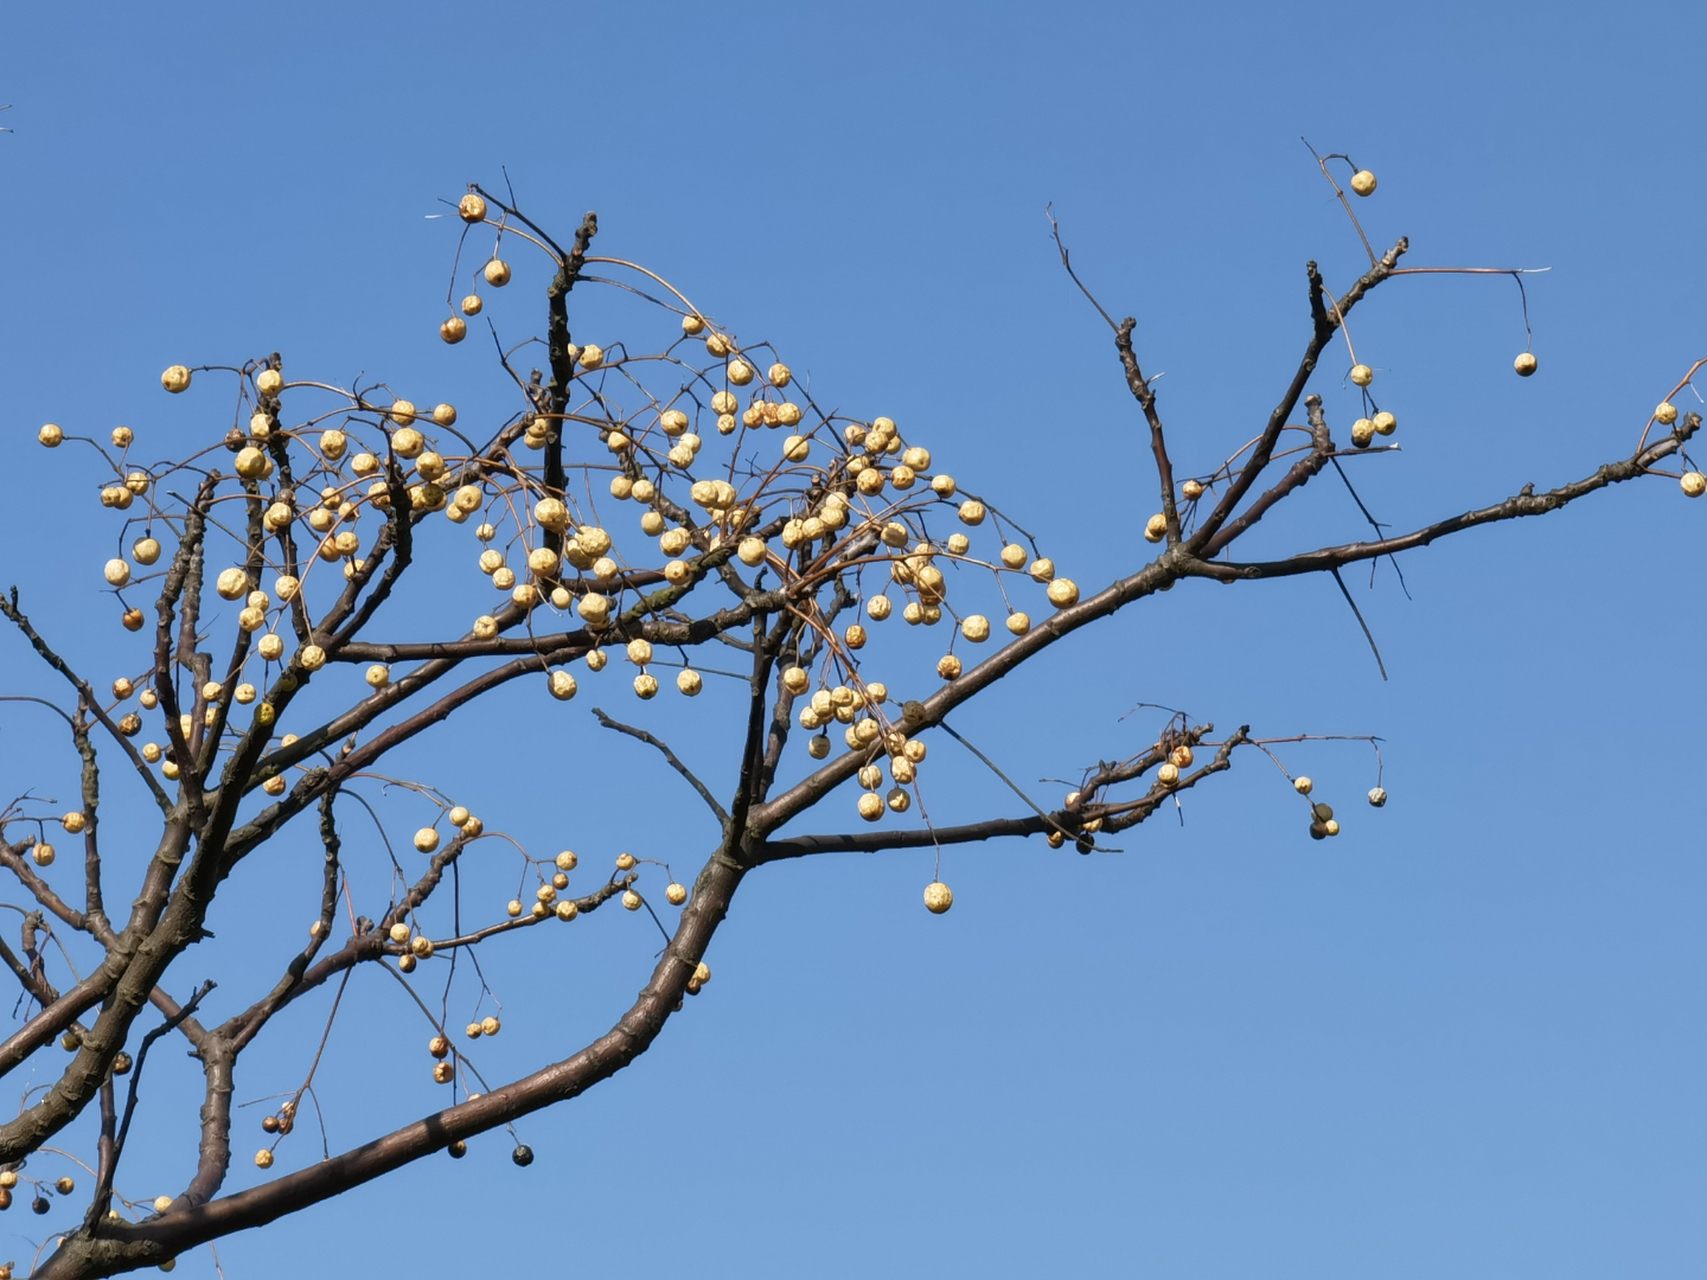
x=674, y=760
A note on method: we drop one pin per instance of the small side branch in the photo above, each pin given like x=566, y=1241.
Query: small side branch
x=673, y=759
x=104, y=1186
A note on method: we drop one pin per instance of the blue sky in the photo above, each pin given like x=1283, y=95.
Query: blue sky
x=1464, y=1038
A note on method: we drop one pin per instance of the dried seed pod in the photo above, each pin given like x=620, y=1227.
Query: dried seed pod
x=1063, y=592
x=1378, y=797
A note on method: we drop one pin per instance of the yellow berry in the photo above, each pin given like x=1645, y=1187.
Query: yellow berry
x=1694, y=483
x=497, y=273
x=176, y=379
x=1362, y=375
x=938, y=897
x=1303, y=786
x=1666, y=414
x=676, y=894
x=471, y=208
x=1525, y=365
x=51, y=436
x=1363, y=182
x=427, y=839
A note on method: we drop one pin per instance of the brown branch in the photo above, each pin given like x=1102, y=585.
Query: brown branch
x=86, y=696
x=1296, y=477
x=115, y=1246
x=1525, y=503
x=1324, y=326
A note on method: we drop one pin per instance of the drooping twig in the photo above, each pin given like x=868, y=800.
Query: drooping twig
x=1358, y=614
x=670, y=756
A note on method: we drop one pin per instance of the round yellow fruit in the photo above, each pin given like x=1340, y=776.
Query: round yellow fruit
x=454, y=330
x=497, y=273
x=676, y=894
x=176, y=379
x=1525, y=364
x=1666, y=414
x=1694, y=484
x=1362, y=375
x=1363, y=182
x=938, y=897
x=1063, y=593
x=51, y=435
x=471, y=208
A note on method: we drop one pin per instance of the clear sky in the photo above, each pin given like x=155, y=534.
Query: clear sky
x=1463, y=1039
